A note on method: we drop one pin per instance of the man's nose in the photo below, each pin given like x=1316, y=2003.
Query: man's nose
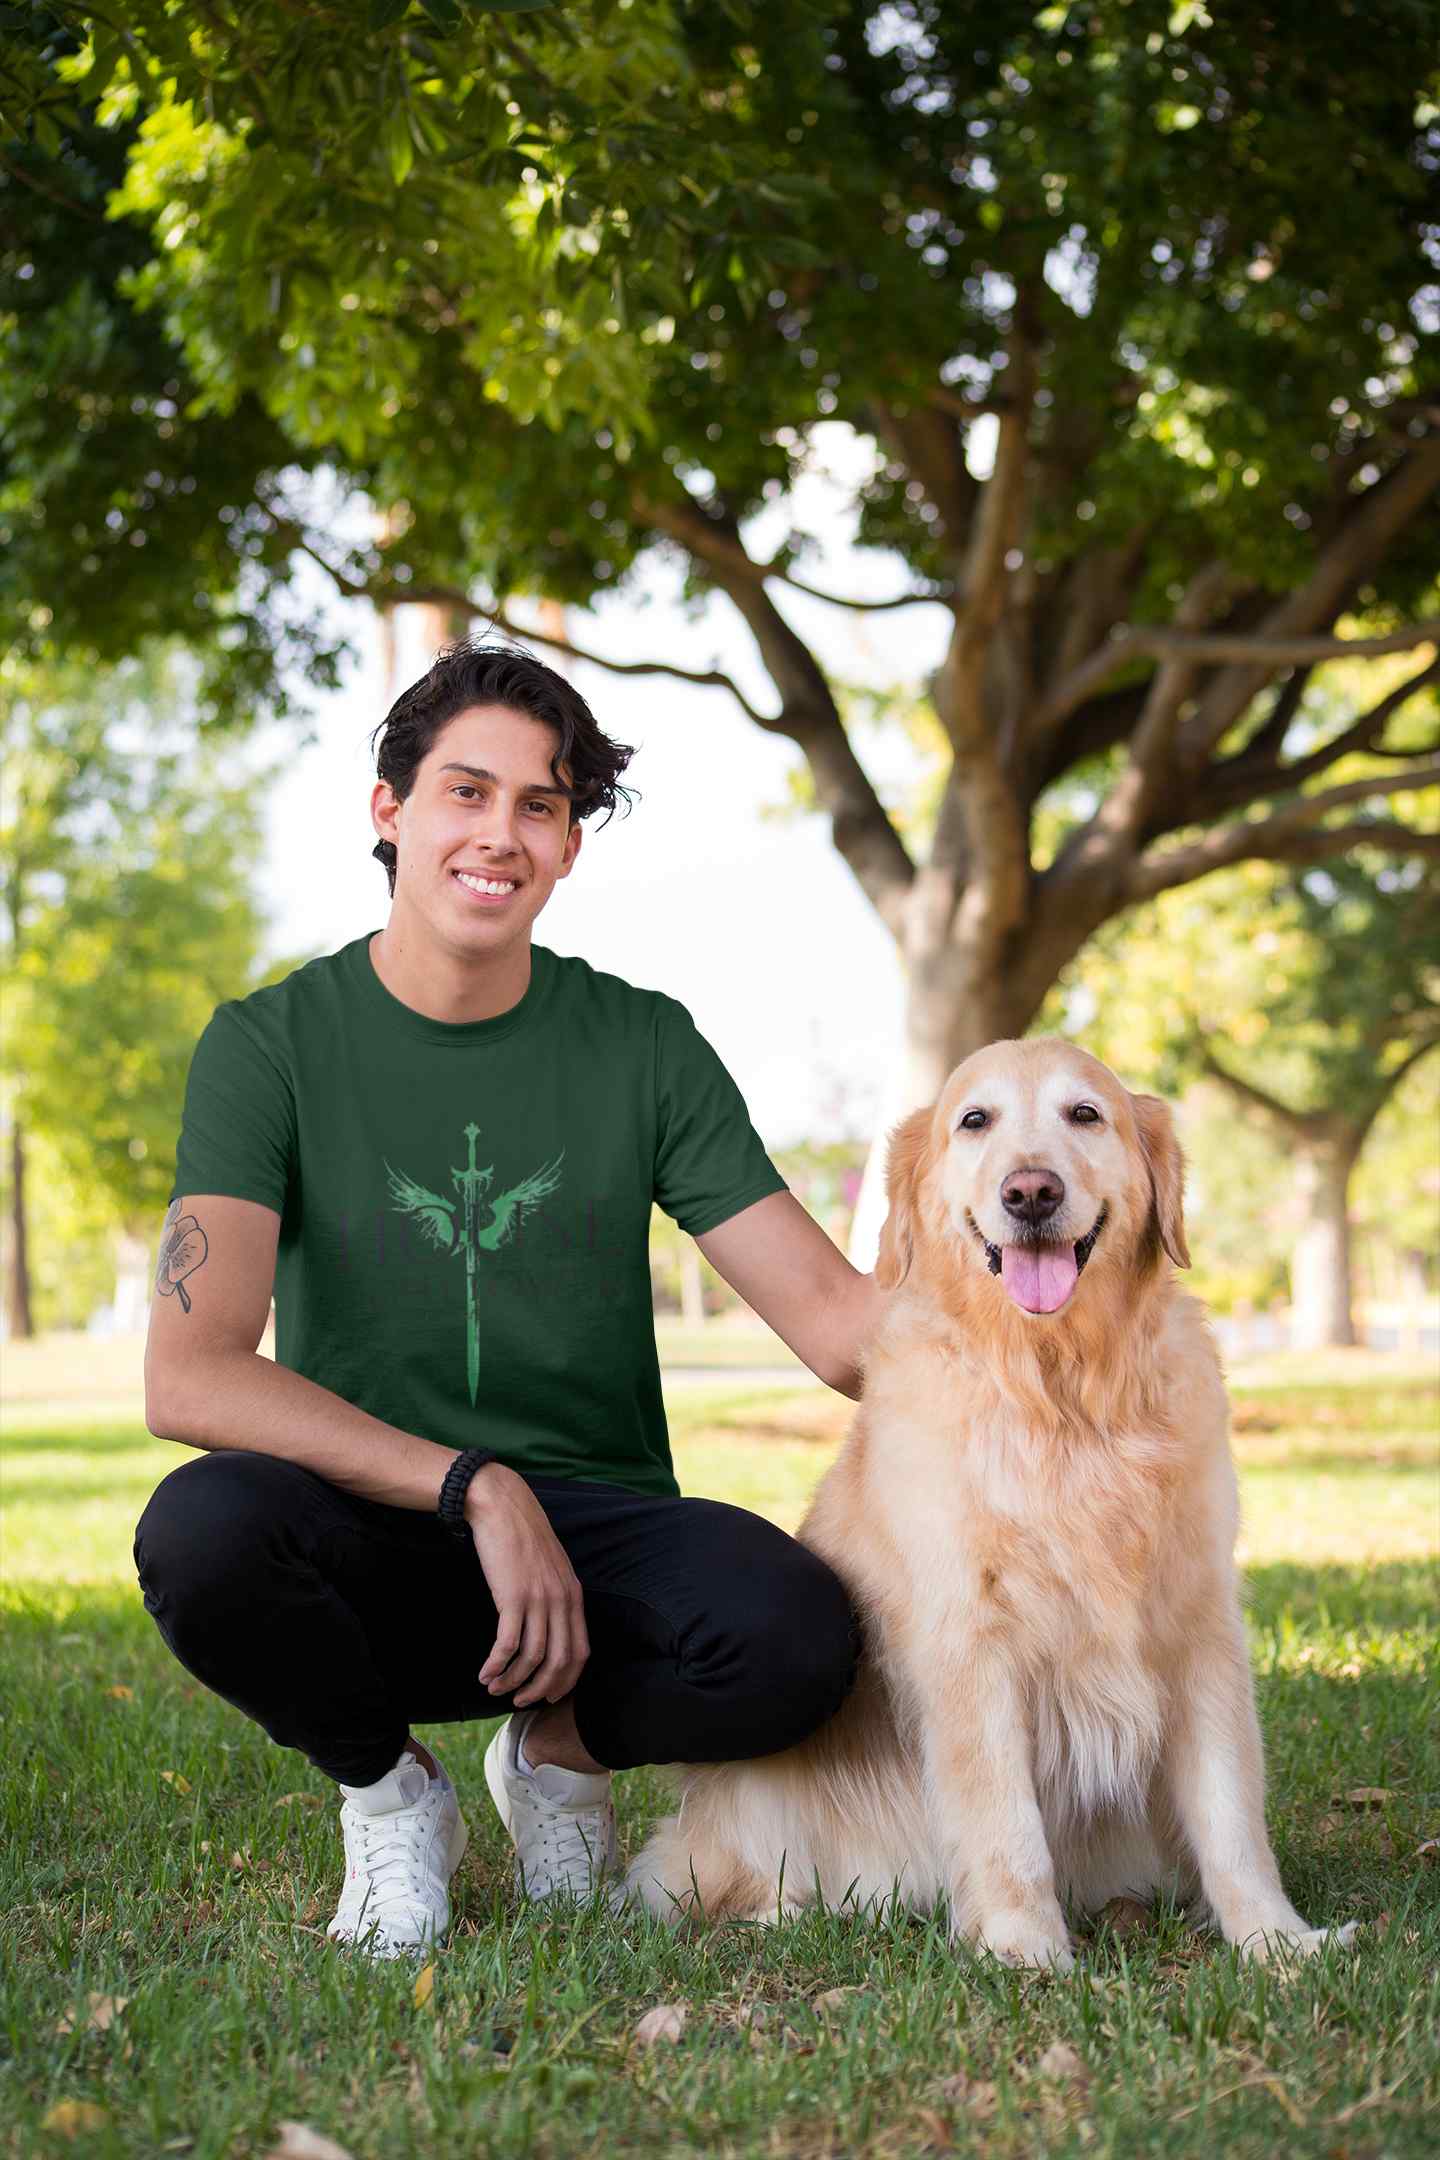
x=496, y=828
x=1032, y=1196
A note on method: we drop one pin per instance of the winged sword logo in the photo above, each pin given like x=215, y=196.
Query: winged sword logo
x=455, y=1226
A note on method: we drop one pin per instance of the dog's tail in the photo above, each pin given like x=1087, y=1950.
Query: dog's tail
x=687, y=1872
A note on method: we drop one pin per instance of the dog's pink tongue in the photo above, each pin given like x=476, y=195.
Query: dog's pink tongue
x=1039, y=1277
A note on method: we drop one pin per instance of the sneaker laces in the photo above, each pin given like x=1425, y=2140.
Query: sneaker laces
x=390, y=1848
x=574, y=1839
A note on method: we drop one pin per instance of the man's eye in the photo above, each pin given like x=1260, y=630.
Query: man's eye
x=975, y=1120
x=1085, y=1113
x=539, y=805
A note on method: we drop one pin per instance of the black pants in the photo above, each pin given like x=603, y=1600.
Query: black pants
x=338, y=1623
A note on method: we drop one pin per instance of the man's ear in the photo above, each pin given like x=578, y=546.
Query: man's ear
x=1166, y=1165
x=572, y=848
x=904, y=1166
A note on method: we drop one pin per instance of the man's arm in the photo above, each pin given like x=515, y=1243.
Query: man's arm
x=207, y=1384
x=798, y=1280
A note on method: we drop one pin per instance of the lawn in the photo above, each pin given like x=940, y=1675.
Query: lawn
x=159, y=1850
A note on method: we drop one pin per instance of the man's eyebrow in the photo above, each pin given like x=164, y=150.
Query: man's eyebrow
x=478, y=772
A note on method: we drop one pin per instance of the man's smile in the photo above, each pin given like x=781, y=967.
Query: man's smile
x=485, y=889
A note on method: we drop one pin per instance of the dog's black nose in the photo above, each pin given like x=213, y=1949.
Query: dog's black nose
x=1032, y=1196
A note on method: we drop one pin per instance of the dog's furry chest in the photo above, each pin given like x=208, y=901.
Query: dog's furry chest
x=1052, y=1563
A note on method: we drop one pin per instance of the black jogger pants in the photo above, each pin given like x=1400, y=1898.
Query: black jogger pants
x=338, y=1623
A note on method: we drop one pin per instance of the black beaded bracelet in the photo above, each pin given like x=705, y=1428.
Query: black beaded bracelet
x=451, y=1505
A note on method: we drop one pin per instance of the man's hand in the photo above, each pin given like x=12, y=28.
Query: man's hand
x=541, y=1644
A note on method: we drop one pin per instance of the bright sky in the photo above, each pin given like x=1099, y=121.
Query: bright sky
x=756, y=925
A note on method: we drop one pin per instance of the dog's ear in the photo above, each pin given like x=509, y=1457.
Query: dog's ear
x=903, y=1166
x=1166, y=1165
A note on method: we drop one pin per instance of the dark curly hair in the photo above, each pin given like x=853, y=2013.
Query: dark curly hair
x=469, y=673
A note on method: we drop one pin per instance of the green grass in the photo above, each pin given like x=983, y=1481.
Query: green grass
x=202, y=1897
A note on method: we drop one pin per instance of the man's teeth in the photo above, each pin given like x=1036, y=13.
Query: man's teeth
x=490, y=885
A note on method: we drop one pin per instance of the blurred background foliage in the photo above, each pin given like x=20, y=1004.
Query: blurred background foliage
x=1134, y=315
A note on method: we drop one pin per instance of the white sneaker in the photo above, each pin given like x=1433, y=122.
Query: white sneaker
x=562, y=1822
x=404, y=1838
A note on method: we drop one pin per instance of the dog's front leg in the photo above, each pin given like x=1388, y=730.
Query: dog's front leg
x=991, y=1839
x=1214, y=1778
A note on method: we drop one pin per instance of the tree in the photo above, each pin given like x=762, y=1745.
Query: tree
x=1136, y=329
x=128, y=506
x=1309, y=997
x=125, y=857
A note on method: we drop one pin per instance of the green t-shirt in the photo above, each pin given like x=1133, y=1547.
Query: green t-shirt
x=465, y=1205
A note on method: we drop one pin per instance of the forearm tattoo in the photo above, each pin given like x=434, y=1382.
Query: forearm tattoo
x=183, y=1246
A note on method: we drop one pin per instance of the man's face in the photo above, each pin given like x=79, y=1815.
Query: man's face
x=483, y=834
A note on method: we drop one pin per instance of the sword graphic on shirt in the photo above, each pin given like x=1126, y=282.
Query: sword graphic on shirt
x=435, y=1217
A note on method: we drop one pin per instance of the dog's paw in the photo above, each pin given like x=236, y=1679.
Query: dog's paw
x=772, y=1913
x=1271, y=1945
x=1020, y=1940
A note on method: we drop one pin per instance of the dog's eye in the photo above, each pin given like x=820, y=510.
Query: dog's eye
x=1085, y=1113
x=975, y=1120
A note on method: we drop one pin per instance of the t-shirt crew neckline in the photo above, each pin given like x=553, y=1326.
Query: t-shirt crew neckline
x=458, y=1034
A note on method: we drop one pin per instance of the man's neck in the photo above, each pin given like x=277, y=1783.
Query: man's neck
x=442, y=987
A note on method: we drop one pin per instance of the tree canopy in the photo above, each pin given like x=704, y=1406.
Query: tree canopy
x=1133, y=309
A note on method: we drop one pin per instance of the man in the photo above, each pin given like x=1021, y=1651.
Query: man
x=440, y=1147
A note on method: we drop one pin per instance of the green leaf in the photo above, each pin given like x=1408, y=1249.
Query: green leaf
x=786, y=248
x=384, y=12
x=399, y=148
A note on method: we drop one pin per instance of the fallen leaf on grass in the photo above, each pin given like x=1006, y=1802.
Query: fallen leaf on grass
x=101, y=2015
x=1362, y=1796
x=424, y=1987
x=976, y=2095
x=302, y=1799
x=121, y=1693
x=835, y=1999
x=1060, y=2061
x=665, y=2022
x=175, y=1778
x=933, y=2131
x=1125, y=1916
x=71, y=2117
x=299, y=2142
x=1429, y=1851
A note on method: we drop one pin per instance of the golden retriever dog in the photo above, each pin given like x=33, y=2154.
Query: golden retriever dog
x=1035, y=1514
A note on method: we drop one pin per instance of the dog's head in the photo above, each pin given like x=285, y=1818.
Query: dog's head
x=1035, y=1167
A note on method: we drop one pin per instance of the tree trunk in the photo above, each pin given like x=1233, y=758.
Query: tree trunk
x=1320, y=1267
x=22, y=1326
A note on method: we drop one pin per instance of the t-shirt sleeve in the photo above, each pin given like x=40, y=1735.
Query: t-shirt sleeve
x=237, y=1130
x=709, y=1160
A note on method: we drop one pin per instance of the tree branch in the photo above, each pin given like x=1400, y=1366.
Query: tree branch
x=862, y=831
x=392, y=594
x=1299, y=1123
x=1378, y=515
x=1267, y=653
x=928, y=442
x=1392, y=1079
x=997, y=846
x=1289, y=835
x=1245, y=779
